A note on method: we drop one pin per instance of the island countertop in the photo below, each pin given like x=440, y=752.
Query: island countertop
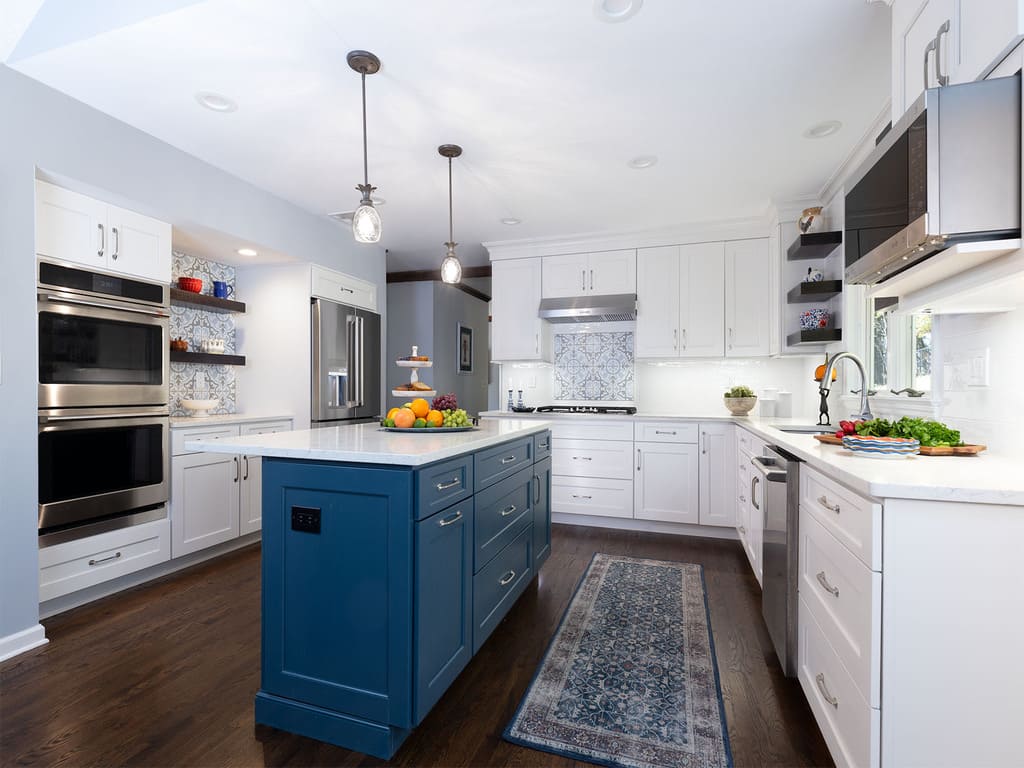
x=369, y=444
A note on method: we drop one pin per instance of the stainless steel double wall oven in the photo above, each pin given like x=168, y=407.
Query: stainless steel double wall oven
x=104, y=367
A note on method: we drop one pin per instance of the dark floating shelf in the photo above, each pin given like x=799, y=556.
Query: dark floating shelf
x=206, y=358
x=816, y=336
x=811, y=292
x=815, y=245
x=204, y=301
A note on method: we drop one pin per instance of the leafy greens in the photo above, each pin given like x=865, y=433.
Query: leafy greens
x=928, y=433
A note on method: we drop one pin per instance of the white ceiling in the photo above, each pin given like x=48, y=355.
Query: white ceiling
x=548, y=102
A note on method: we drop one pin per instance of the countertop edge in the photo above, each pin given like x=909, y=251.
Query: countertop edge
x=183, y=422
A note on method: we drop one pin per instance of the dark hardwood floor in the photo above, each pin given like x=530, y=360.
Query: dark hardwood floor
x=165, y=674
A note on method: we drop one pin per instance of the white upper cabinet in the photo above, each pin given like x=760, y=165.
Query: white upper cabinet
x=79, y=229
x=582, y=274
x=657, y=303
x=517, y=333
x=748, y=298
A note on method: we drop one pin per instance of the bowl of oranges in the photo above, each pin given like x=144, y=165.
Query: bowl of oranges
x=419, y=416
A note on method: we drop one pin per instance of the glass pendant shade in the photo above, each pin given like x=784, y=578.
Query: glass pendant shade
x=366, y=226
x=451, y=269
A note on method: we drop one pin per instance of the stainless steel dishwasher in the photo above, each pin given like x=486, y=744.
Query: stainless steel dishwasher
x=778, y=475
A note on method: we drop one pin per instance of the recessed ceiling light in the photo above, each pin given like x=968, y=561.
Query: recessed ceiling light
x=821, y=130
x=247, y=252
x=216, y=101
x=511, y=221
x=642, y=161
x=616, y=10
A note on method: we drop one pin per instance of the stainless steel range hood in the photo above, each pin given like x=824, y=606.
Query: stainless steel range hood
x=589, y=309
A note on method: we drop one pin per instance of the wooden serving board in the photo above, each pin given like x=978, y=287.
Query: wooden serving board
x=959, y=450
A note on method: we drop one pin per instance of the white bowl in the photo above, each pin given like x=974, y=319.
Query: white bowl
x=200, y=407
x=740, y=406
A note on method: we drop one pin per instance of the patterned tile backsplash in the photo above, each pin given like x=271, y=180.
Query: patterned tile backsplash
x=190, y=380
x=594, y=366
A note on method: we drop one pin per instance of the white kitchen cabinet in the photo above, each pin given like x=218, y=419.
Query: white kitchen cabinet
x=517, y=333
x=666, y=483
x=582, y=274
x=204, y=500
x=748, y=298
x=657, y=302
x=717, y=474
x=749, y=516
x=250, y=511
x=82, y=230
x=344, y=289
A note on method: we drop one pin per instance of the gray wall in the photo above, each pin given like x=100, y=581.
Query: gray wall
x=65, y=139
x=410, y=321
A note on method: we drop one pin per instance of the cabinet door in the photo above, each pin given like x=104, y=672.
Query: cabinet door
x=139, y=245
x=71, y=227
x=611, y=272
x=987, y=32
x=755, y=522
x=564, y=276
x=657, y=294
x=702, y=300
x=444, y=602
x=914, y=43
x=516, y=331
x=666, y=483
x=250, y=513
x=717, y=475
x=747, y=298
x=204, y=501
x=541, y=513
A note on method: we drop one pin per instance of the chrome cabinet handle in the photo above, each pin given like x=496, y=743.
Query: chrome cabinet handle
x=246, y=460
x=823, y=580
x=823, y=500
x=743, y=529
x=508, y=459
x=536, y=343
x=666, y=432
x=237, y=467
x=704, y=442
x=583, y=282
x=928, y=49
x=117, y=243
x=115, y=556
x=743, y=499
x=446, y=486
x=730, y=338
x=820, y=680
x=591, y=279
x=684, y=338
x=753, y=494
x=507, y=578
x=637, y=459
x=508, y=510
x=543, y=446
x=940, y=78
x=582, y=458
x=536, y=493
x=450, y=519
x=581, y=497
x=103, y=241
x=675, y=339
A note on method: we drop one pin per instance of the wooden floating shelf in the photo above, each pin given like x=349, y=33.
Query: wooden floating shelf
x=814, y=245
x=815, y=336
x=204, y=301
x=206, y=358
x=810, y=292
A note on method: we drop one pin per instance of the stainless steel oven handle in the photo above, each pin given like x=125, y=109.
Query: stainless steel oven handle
x=43, y=419
x=100, y=305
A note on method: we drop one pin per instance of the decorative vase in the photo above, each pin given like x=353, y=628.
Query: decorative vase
x=810, y=220
x=814, y=319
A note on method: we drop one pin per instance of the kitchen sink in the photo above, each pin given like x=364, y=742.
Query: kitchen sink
x=805, y=429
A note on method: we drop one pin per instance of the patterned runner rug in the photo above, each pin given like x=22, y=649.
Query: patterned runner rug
x=630, y=678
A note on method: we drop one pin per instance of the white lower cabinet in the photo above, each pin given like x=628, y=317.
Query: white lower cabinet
x=666, y=483
x=749, y=514
x=716, y=461
x=592, y=496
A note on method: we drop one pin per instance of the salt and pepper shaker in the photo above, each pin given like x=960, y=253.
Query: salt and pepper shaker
x=510, y=399
x=520, y=403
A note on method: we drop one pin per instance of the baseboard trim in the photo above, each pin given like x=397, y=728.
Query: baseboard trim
x=651, y=526
x=19, y=642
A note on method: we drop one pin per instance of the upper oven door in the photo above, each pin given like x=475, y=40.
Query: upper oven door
x=101, y=352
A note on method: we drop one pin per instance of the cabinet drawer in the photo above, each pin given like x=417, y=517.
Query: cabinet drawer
x=443, y=484
x=592, y=496
x=542, y=445
x=845, y=597
x=851, y=728
x=854, y=520
x=749, y=443
x=665, y=432
x=592, y=430
x=75, y=565
x=499, y=462
x=180, y=436
x=265, y=427
x=593, y=458
x=502, y=511
x=336, y=286
x=499, y=584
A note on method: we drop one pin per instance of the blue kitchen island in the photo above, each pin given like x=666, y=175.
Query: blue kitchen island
x=388, y=559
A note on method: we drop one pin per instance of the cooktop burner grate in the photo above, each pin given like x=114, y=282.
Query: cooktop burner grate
x=627, y=410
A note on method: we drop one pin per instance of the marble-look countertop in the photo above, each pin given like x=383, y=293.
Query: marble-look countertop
x=226, y=418
x=988, y=478
x=369, y=444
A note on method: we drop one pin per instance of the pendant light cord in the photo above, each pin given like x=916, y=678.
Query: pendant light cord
x=451, y=229
x=366, y=168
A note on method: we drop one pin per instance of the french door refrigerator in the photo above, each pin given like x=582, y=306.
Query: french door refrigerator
x=346, y=364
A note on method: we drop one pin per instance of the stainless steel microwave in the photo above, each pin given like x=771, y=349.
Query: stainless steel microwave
x=949, y=171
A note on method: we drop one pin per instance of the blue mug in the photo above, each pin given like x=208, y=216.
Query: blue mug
x=221, y=289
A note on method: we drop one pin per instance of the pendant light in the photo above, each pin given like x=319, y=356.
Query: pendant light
x=366, y=226
x=451, y=269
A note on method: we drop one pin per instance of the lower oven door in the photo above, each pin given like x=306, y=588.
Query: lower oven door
x=100, y=466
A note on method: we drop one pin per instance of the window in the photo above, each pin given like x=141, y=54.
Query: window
x=900, y=348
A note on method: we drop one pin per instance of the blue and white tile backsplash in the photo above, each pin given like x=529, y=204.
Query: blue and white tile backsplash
x=594, y=366
x=194, y=324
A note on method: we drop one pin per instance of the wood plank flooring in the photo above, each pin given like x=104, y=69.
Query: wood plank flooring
x=165, y=674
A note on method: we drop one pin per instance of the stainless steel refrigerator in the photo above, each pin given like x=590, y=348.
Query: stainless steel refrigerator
x=346, y=364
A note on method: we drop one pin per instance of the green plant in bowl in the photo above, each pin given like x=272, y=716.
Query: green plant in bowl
x=740, y=400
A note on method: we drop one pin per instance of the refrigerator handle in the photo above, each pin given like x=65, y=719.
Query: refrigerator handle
x=360, y=382
x=353, y=368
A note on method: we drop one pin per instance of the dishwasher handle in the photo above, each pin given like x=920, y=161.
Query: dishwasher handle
x=766, y=466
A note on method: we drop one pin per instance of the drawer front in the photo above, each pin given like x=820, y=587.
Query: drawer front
x=851, y=728
x=592, y=496
x=441, y=485
x=494, y=464
x=592, y=430
x=665, y=432
x=180, y=436
x=75, y=565
x=593, y=458
x=542, y=445
x=854, y=520
x=266, y=427
x=499, y=584
x=845, y=597
x=749, y=443
x=502, y=511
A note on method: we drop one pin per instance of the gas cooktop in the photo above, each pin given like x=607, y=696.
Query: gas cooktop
x=598, y=409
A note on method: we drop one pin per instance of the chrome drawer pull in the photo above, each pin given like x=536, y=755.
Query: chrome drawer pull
x=450, y=519
x=543, y=446
x=508, y=510
x=823, y=580
x=743, y=499
x=508, y=459
x=507, y=578
x=114, y=556
x=581, y=497
x=582, y=458
x=659, y=432
x=823, y=500
x=446, y=486
x=743, y=530
x=820, y=680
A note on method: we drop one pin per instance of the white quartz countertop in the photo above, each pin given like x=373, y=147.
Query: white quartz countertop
x=368, y=444
x=226, y=418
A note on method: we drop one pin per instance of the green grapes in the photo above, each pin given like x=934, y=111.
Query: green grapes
x=455, y=418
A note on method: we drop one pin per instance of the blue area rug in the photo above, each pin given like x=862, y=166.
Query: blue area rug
x=630, y=678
